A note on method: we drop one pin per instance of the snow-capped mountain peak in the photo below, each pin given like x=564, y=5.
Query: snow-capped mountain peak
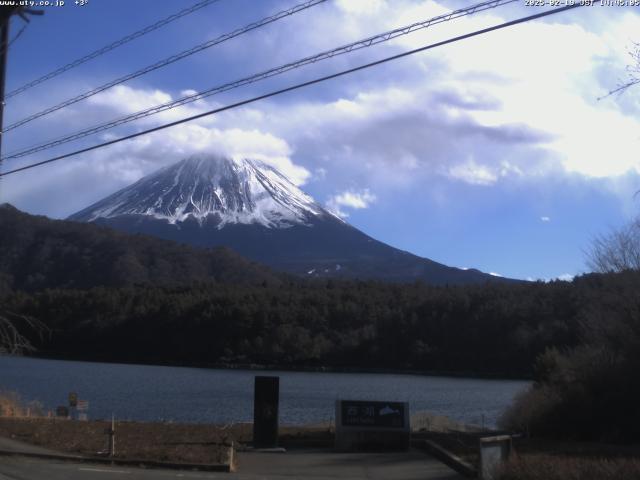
x=250, y=207
x=212, y=189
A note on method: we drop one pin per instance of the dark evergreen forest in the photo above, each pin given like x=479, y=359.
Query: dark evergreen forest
x=490, y=330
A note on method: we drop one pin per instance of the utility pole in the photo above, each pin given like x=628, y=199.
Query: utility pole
x=4, y=49
x=5, y=19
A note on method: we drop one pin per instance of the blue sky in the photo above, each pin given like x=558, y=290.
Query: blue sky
x=492, y=153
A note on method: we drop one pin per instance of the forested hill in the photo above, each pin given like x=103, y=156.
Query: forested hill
x=493, y=329
x=37, y=253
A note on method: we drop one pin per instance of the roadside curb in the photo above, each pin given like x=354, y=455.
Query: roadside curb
x=445, y=456
x=205, y=467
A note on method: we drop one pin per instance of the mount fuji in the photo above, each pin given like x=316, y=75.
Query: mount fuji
x=252, y=208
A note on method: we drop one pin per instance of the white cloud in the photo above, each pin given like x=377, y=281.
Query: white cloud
x=197, y=136
x=350, y=199
x=361, y=7
x=125, y=99
x=320, y=173
x=584, y=131
x=566, y=277
x=545, y=219
x=523, y=107
x=188, y=92
x=174, y=144
x=473, y=173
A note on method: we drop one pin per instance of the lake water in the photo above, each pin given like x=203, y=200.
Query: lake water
x=143, y=392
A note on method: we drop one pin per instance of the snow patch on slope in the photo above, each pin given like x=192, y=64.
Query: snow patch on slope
x=210, y=188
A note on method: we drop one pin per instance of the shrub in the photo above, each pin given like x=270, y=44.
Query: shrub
x=530, y=409
x=547, y=467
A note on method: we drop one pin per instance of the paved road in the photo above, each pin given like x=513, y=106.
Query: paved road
x=21, y=468
x=414, y=465
x=12, y=445
x=251, y=466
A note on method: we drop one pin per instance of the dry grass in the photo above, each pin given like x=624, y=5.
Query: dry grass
x=171, y=442
x=539, y=456
x=11, y=405
x=134, y=440
x=426, y=421
x=548, y=467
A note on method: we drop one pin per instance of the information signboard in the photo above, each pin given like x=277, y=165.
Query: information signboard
x=372, y=414
x=372, y=425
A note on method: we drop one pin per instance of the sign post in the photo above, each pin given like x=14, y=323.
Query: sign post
x=73, y=403
x=82, y=407
x=372, y=425
x=265, y=412
x=111, y=437
x=62, y=411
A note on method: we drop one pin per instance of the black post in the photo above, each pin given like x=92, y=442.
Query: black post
x=265, y=412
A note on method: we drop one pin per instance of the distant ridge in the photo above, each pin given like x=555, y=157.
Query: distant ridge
x=38, y=253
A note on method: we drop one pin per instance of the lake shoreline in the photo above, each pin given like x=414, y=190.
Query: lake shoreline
x=285, y=368
x=222, y=395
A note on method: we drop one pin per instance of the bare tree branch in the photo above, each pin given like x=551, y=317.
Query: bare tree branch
x=12, y=339
x=616, y=251
x=633, y=73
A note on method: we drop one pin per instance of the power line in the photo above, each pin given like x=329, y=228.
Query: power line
x=168, y=61
x=111, y=46
x=17, y=35
x=299, y=85
x=367, y=42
